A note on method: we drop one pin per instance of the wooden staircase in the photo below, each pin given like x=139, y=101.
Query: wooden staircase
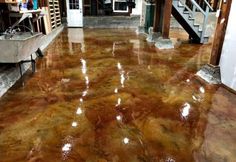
x=186, y=17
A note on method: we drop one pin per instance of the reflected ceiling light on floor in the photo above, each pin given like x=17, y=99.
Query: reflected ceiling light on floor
x=79, y=111
x=126, y=140
x=118, y=102
x=170, y=160
x=65, y=80
x=86, y=80
x=74, y=124
x=119, y=117
x=122, y=79
x=66, y=147
x=119, y=66
x=185, y=110
x=194, y=97
x=188, y=80
x=116, y=90
x=81, y=99
x=84, y=69
x=85, y=93
x=202, y=89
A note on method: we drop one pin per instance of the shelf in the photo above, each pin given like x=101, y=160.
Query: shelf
x=54, y=12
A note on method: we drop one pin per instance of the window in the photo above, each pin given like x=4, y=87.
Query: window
x=74, y=4
x=120, y=6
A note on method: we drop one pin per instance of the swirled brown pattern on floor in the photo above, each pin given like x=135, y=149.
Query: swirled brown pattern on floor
x=105, y=95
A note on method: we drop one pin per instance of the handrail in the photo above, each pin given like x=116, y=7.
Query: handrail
x=198, y=7
x=208, y=5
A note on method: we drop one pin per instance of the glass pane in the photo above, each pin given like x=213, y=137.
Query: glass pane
x=121, y=6
x=74, y=4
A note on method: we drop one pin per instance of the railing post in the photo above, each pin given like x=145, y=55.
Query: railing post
x=204, y=26
x=194, y=11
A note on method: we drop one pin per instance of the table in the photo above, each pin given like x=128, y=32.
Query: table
x=32, y=15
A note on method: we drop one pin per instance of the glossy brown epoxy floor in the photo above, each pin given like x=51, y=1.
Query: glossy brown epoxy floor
x=108, y=96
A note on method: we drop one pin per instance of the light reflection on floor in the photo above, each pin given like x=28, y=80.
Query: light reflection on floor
x=103, y=95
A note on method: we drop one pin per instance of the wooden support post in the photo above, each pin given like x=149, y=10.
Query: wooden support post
x=157, y=25
x=220, y=33
x=215, y=4
x=166, y=19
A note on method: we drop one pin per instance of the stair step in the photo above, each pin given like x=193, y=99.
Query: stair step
x=186, y=12
x=181, y=9
x=197, y=27
x=191, y=19
x=180, y=4
x=200, y=33
x=205, y=39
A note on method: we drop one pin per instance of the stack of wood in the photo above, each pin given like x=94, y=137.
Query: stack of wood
x=52, y=18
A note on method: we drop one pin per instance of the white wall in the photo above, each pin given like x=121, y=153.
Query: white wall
x=228, y=56
x=138, y=8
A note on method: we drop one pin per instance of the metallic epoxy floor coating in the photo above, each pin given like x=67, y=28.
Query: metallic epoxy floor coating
x=103, y=95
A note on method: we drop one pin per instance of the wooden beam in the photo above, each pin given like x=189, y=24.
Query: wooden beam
x=215, y=4
x=166, y=19
x=220, y=32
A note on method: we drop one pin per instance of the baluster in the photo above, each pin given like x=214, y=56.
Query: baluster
x=205, y=23
x=194, y=11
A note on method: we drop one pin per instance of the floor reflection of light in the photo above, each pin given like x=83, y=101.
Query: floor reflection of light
x=65, y=80
x=185, y=110
x=86, y=80
x=170, y=160
x=194, y=97
x=116, y=90
x=122, y=74
x=126, y=140
x=81, y=100
x=197, y=97
x=84, y=93
x=84, y=69
x=188, y=80
x=118, y=102
x=66, y=147
x=119, y=66
x=122, y=79
x=79, y=111
x=74, y=124
x=202, y=90
x=119, y=117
